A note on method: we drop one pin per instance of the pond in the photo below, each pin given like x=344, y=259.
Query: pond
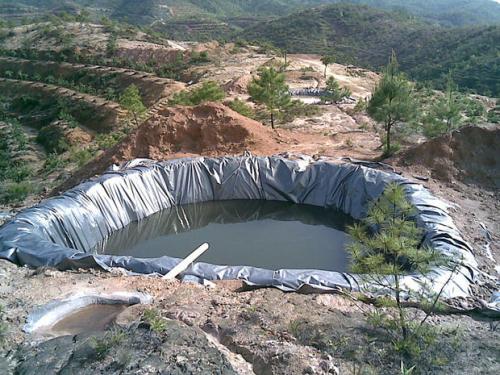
x=265, y=234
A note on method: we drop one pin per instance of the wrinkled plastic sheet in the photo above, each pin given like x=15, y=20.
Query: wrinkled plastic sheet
x=60, y=232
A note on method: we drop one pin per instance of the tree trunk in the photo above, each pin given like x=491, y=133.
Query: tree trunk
x=325, y=70
x=402, y=318
x=272, y=119
x=135, y=119
x=388, y=138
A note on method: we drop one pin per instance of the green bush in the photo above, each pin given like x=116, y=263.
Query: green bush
x=209, y=91
x=18, y=135
x=156, y=322
x=298, y=109
x=494, y=115
x=199, y=57
x=68, y=118
x=102, y=345
x=52, y=139
x=19, y=172
x=242, y=108
x=105, y=141
x=81, y=157
x=387, y=246
x=15, y=192
x=53, y=162
x=333, y=92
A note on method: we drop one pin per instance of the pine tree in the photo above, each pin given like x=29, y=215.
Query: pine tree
x=271, y=90
x=131, y=100
x=446, y=114
x=392, y=101
x=386, y=247
x=327, y=60
x=333, y=92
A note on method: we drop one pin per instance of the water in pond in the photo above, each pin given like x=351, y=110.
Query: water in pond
x=265, y=234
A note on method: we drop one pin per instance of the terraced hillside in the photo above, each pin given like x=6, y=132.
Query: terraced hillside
x=64, y=113
x=105, y=81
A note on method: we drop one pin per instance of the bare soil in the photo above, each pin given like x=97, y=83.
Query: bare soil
x=470, y=155
x=269, y=331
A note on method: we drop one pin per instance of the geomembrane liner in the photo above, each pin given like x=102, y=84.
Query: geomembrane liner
x=60, y=232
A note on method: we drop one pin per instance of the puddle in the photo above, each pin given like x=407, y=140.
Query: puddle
x=265, y=234
x=92, y=318
x=81, y=312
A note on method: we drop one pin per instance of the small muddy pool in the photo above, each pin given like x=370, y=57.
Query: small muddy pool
x=265, y=234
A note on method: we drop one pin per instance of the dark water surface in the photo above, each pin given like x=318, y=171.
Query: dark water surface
x=266, y=234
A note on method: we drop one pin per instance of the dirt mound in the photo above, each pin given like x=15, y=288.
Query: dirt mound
x=238, y=85
x=210, y=129
x=470, y=155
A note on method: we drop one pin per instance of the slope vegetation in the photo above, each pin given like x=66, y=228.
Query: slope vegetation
x=443, y=12
x=470, y=53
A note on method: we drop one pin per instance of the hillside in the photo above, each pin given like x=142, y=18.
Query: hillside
x=443, y=12
x=470, y=53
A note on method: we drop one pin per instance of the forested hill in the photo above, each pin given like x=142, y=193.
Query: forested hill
x=443, y=12
x=420, y=31
x=366, y=36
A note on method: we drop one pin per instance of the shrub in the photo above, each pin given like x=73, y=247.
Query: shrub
x=19, y=172
x=156, y=322
x=15, y=192
x=131, y=100
x=242, y=108
x=81, y=157
x=209, y=91
x=199, y=57
x=105, y=141
x=53, y=162
x=333, y=92
x=102, y=345
x=297, y=109
x=52, y=139
x=68, y=118
x=18, y=134
x=392, y=101
x=270, y=89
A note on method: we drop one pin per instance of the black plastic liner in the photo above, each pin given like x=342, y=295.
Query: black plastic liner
x=60, y=231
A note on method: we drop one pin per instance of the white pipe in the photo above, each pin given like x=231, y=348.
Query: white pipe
x=181, y=267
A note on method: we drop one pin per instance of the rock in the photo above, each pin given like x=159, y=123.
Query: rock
x=178, y=350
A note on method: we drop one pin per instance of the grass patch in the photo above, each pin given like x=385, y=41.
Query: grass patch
x=102, y=345
x=208, y=92
x=242, y=108
x=81, y=157
x=15, y=192
x=155, y=321
x=298, y=109
x=53, y=162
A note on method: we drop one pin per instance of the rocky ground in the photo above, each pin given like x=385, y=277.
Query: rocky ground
x=222, y=329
